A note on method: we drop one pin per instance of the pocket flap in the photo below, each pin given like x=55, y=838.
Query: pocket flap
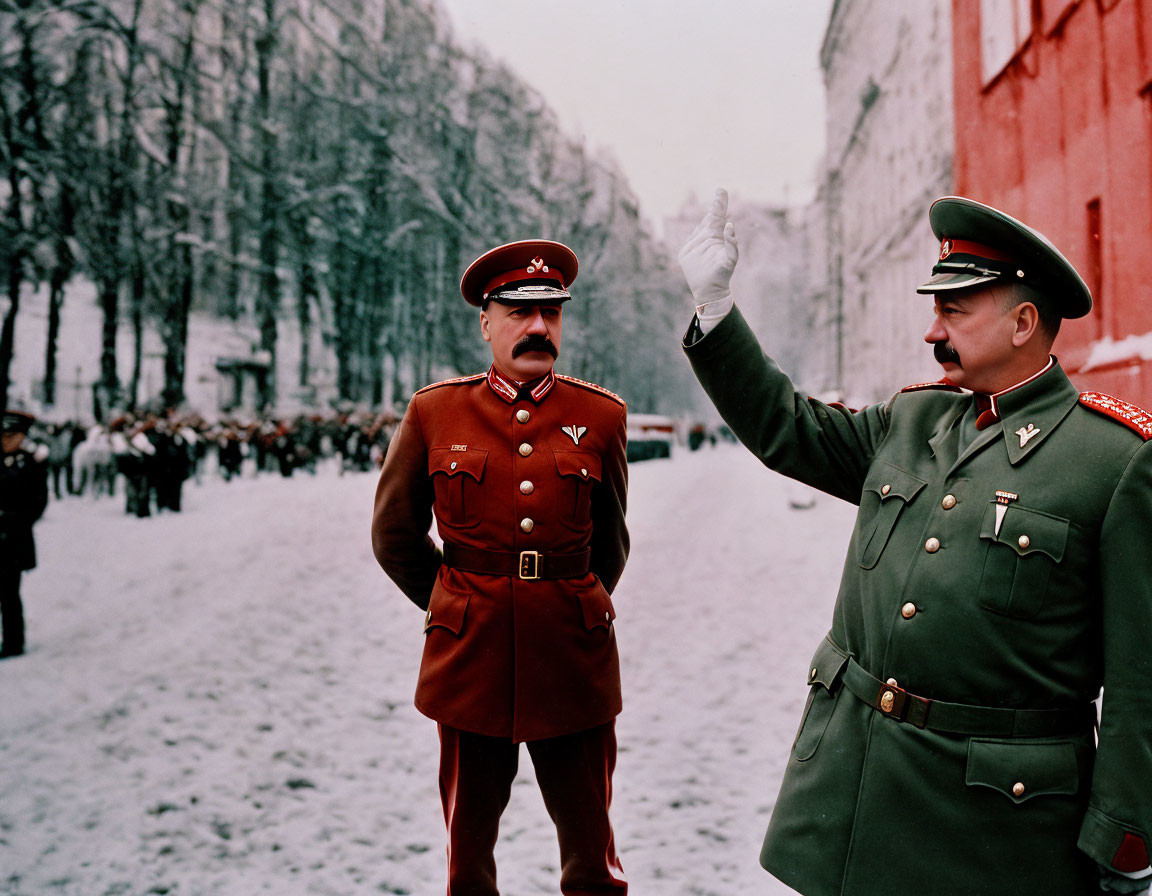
x=596, y=606
x=453, y=462
x=446, y=609
x=1022, y=770
x=827, y=664
x=581, y=464
x=888, y=482
x=1027, y=531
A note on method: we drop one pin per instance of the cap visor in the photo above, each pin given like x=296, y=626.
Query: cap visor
x=529, y=295
x=949, y=282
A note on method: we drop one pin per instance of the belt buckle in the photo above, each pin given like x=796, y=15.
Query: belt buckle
x=898, y=704
x=529, y=565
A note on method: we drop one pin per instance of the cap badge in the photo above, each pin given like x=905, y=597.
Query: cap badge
x=945, y=249
x=1026, y=433
x=537, y=264
x=574, y=432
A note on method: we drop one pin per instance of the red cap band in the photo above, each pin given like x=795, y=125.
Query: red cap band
x=967, y=247
x=531, y=272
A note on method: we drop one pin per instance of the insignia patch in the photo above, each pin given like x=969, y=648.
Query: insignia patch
x=1003, y=499
x=945, y=249
x=1026, y=433
x=1135, y=418
x=459, y=447
x=574, y=432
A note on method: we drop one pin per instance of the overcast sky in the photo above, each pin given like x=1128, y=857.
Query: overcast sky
x=687, y=95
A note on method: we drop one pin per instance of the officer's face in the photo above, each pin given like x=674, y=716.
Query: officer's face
x=525, y=339
x=972, y=338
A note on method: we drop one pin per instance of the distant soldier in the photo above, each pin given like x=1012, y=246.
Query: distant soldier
x=23, y=497
x=135, y=458
x=172, y=462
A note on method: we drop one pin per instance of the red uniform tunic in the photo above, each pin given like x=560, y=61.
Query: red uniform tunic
x=504, y=470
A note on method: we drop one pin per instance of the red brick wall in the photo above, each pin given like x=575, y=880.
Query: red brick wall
x=1060, y=138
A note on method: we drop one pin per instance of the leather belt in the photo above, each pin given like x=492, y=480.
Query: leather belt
x=962, y=718
x=526, y=565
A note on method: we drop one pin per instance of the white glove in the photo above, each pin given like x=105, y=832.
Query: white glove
x=710, y=254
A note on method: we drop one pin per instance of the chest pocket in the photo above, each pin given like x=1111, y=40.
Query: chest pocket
x=457, y=478
x=888, y=489
x=1020, y=559
x=578, y=472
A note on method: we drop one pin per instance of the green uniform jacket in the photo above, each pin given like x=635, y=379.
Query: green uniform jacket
x=1037, y=614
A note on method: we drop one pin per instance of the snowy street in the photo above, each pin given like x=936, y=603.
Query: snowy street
x=220, y=701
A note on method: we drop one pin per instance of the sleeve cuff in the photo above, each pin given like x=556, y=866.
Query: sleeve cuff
x=711, y=313
x=1114, y=845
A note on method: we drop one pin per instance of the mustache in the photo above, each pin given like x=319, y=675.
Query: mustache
x=943, y=352
x=534, y=342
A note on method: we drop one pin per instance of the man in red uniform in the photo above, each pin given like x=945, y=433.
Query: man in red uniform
x=526, y=474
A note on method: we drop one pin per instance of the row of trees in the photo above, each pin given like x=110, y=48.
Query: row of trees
x=332, y=163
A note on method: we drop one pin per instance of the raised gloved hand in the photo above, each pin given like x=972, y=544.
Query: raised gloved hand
x=710, y=254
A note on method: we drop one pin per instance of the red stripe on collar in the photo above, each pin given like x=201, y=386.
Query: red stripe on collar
x=509, y=390
x=1035, y=376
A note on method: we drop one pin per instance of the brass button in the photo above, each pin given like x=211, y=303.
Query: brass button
x=452, y=466
x=885, y=489
x=1024, y=541
x=527, y=524
x=812, y=675
x=525, y=449
x=887, y=699
x=522, y=416
x=526, y=487
x=607, y=616
x=932, y=545
x=1018, y=788
x=583, y=472
x=891, y=682
x=908, y=610
x=949, y=502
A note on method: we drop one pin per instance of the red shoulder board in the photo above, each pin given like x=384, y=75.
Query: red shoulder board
x=1136, y=419
x=939, y=384
x=453, y=382
x=585, y=384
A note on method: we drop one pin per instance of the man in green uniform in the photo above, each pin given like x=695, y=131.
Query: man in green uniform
x=999, y=574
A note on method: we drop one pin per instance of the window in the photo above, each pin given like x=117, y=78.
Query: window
x=1094, y=274
x=1005, y=26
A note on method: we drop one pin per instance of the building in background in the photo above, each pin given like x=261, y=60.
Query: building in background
x=1053, y=111
x=888, y=77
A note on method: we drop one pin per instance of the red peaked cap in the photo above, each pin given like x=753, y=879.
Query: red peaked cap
x=524, y=272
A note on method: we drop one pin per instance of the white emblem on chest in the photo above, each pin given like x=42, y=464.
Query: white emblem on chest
x=1003, y=499
x=574, y=432
x=1026, y=433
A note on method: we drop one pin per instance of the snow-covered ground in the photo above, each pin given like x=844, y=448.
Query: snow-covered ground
x=220, y=701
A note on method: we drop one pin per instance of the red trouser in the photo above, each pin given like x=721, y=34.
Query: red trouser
x=575, y=776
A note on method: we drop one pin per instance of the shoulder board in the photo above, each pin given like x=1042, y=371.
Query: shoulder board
x=1135, y=418
x=942, y=385
x=592, y=387
x=454, y=382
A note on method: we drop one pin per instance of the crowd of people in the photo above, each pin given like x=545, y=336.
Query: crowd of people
x=154, y=454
